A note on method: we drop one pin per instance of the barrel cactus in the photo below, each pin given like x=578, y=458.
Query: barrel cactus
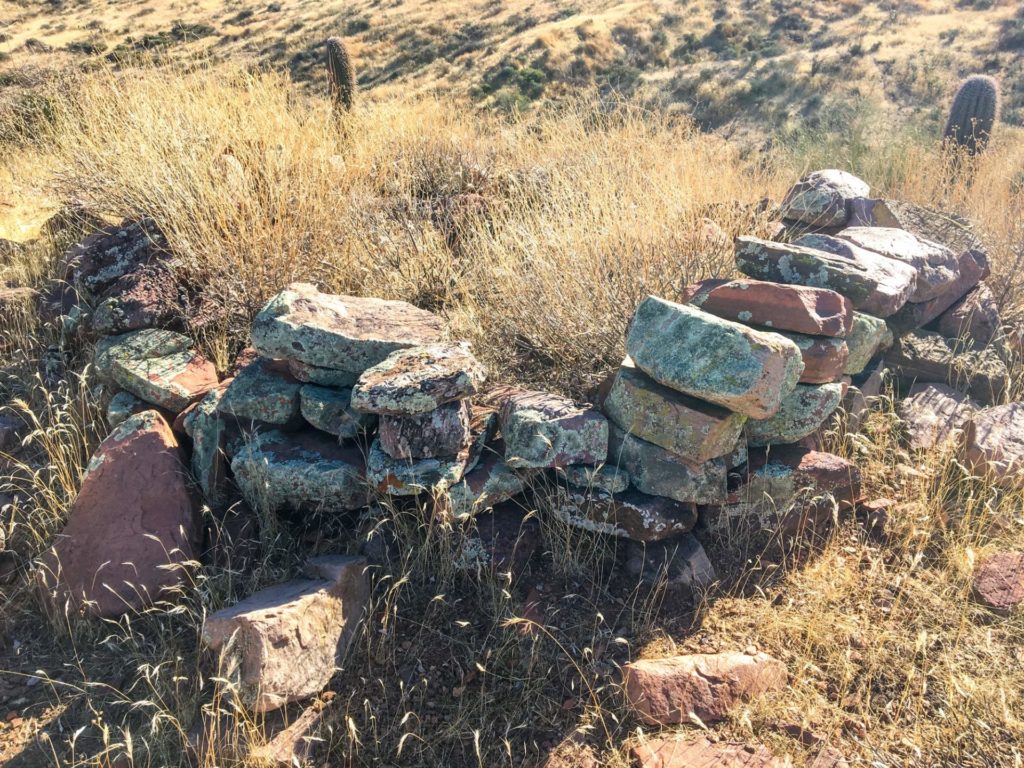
x=973, y=114
x=339, y=67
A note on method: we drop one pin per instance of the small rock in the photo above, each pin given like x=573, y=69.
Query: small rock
x=122, y=406
x=868, y=337
x=824, y=358
x=209, y=433
x=542, y=430
x=822, y=198
x=999, y=581
x=801, y=413
x=709, y=686
x=717, y=360
x=490, y=483
x=263, y=391
x=995, y=443
x=406, y=477
x=602, y=478
x=145, y=298
x=932, y=414
x=937, y=266
x=631, y=515
x=115, y=251
x=701, y=752
x=658, y=472
x=502, y=541
x=443, y=432
x=974, y=318
x=418, y=380
x=678, y=568
x=973, y=266
x=925, y=356
x=330, y=411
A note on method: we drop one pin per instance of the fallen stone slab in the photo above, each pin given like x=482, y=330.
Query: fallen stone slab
x=937, y=266
x=933, y=414
x=324, y=377
x=346, y=333
x=677, y=569
x=283, y=644
x=999, y=582
x=442, y=432
x=658, y=472
x=501, y=541
x=603, y=478
x=869, y=337
x=694, y=429
x=301, y=471
x=710, y=686
x=330, y=410
x=896, y=281
x=411, y=477
x=630, y=515
x=700, y=752
x=995, y=443
x=265, y=392
x=133, y=529
x=822, y=198
x=115, y=251
x=824, y=358
x=974, y=319
x=418, y=380
x=950, y=230
x=973, y=267
x=802, y=412
x=928, y=357
x=796, y=308
x=145, y=298
x=797, y=265
x=716, y=360
x=542, y=430
x=490, y=483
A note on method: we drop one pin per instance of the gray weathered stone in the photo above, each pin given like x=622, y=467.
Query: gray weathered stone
x=972, y=265
x=802, y=412
x=330, y=410
x=933, y=414
x=947, y=229
x=324, y=377
x=438, y=433
x=631, y=515
x=122, y=405
x=995, y=444
x=542, y=430
x=410, y=477
x=490, y=483
x=603, y=478
x=262, y=391
x=822, y=198
x=867, y=338
x=924, y=356
x=658, y=472
x=937, y=266
x=208, y=430
x=975, y=319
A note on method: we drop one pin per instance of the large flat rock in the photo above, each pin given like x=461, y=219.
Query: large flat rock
x=928, y=357
x=937, y=266
x=658, y=472
x=716, y=360
x=802, y=412
x=346, y=333
x=933, y=414
x=947, y=229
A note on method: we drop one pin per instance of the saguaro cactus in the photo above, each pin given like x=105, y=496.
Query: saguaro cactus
x=339, y=67
x=973, y=113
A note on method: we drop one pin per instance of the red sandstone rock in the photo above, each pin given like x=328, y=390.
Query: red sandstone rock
x=708, y=686
x=700, y=752
x=932, y=414
x=999, y=581
x=132, y=528
x=974, y=318
x=443, y=431
x=995, y=443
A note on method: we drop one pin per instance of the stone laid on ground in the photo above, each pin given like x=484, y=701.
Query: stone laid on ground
x=263, y=391
x=145, y=298
x=933, y=414
x=113, y=252
x=896, y=281
x=324, y=377
x=822, y=198
x=631, y=514
x=797, y=265
x=208, y=431
x=995, y=443
x=716, y=360
x=282, y=644
x=868, y=337
x=937, y=266
x=435, y=434
x=344, y=333
x=658, y=472
x=709, y=686
x=796, y=308
x=330, y=410
x=973, y=267
x=696, y=430
x=824, y=357
x=543, y=430
x=604, y=478
x=802, y=412
x=406, y=477
x=999, y=582
x=488, y=484
x=679, y=568
x=418, y=380
x=975, y=318
x=133, y=528
x=928, y=357
x=700, y=752
x=304, y=471
x=122, y=406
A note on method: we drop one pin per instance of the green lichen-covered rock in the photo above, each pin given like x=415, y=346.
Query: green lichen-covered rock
x=410, y=477
x=330, y=410
x=658, y=472
x=801, y=413
x=208, y=430
x=490, y=483
x=442, y=432
x=630, y=515
x=797, y=265
x=264, y=392
x=121, y=406
x=542, y=430
x=324, y=377
x=303, y=471
x=138, y=345
x=603, y=478
x=345, y=333
x=723, y=362
x=868, y=336
x=822, y=198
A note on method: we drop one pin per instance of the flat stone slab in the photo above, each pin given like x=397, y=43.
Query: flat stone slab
x=418, y=380
x=722, y=362
x=692, y=428
x=489, y=484
x=133, y=528
x=330, y=410
x=999, y=582
x=937, y=266
x=630, y=515
x=677, y=569
x=442, y=432
x=798, y=265
x=324, y=377
x=950, y=230
x=603, y=478
x=146, y=298
x=824, y=358
x=802, y=412
x=543, y=430
x=686, y=751
x=974, y=318
x=263, y=391
x=411, y=477
x=928, y=357
x=933, y=414
x=283, y=644
x=208, y=430
x=658, y=472
x=995, y=443
x=896, y=281
x=301, y=471
x=345, y=333
x=973, y=267
x=710, y=686
x=867, y=338
x=797, y=308
x=822, y=198
x=113, y=252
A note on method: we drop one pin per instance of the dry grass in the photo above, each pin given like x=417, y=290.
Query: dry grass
x=535, y=238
